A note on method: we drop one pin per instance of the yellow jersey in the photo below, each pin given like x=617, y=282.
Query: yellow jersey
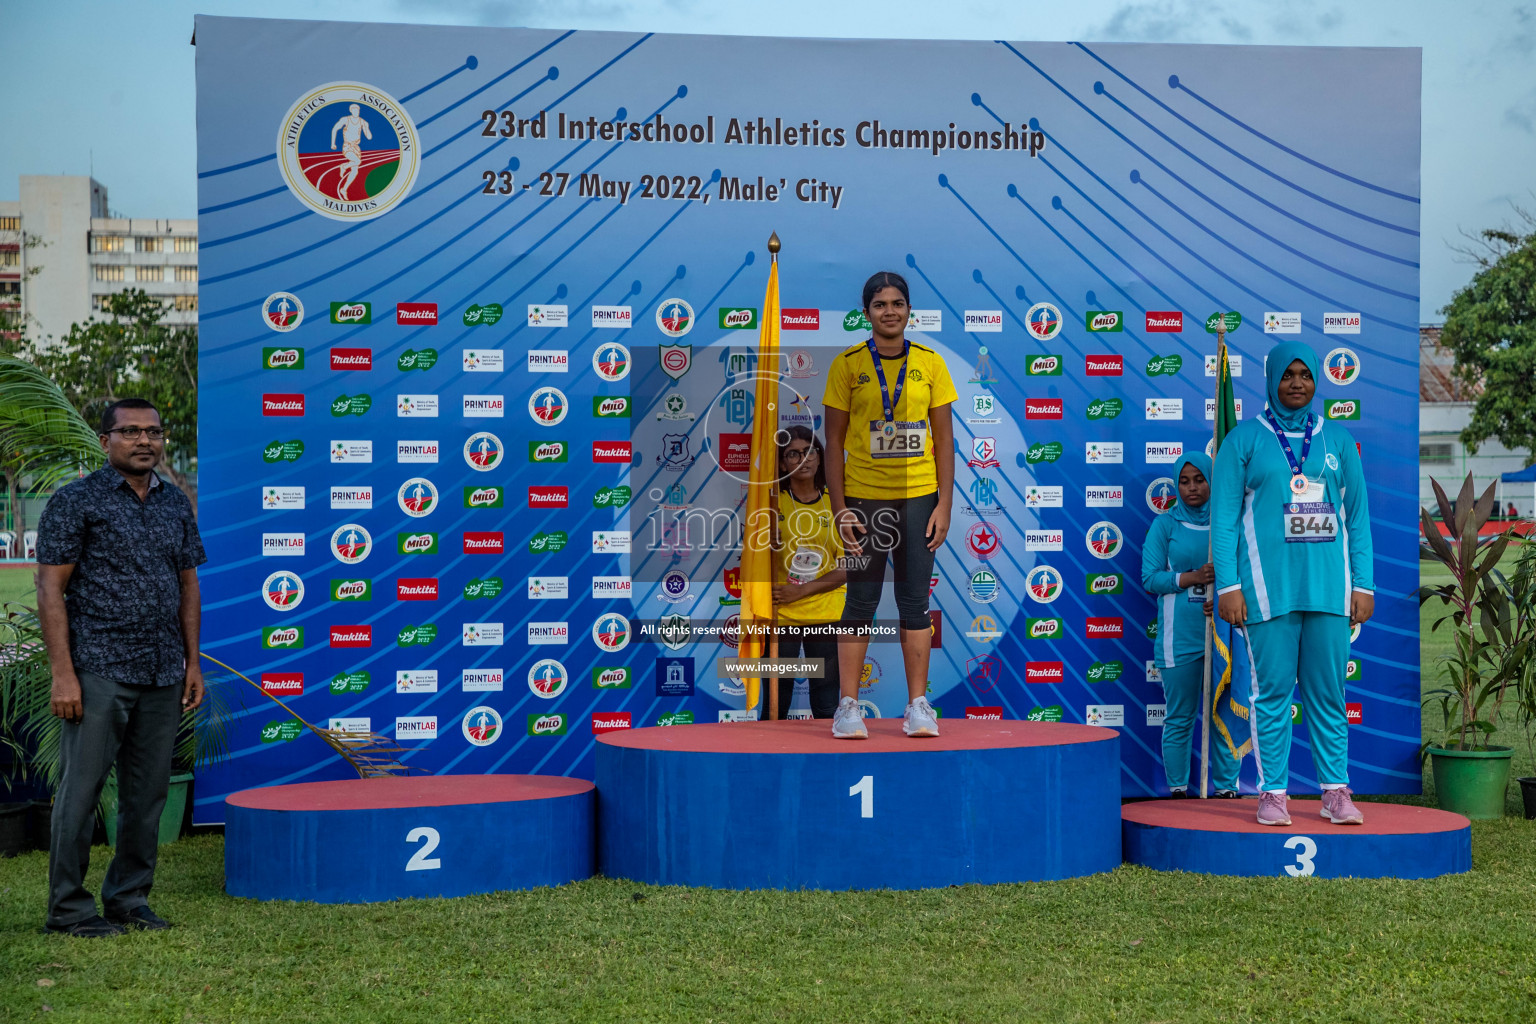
x=889, y=460
x=811, y=548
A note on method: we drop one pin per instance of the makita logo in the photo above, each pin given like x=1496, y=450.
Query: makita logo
x=282, y=682
x=351, y=636
x=800, y=319
x=1105, y=366
x=988, y=713
x=1105, y=628
x=612, y=451
x=424, y=589
x=417, y=314
x=1354, y=713
x=1042, y=408
x=483, y=543
x=282, y=405
x=1168, y=323
x=351, y=358
x=609, y=722
x=548, y=497
x=1043, y=672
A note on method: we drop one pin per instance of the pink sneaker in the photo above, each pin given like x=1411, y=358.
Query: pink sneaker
x=1272, y=809
x=1340, y=809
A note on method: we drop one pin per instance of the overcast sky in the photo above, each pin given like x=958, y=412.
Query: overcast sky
x=107, y=87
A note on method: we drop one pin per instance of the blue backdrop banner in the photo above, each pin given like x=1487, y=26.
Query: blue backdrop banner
x=479, y=311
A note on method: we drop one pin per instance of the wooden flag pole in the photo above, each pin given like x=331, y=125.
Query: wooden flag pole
x=773, y=508
x=1205, y=684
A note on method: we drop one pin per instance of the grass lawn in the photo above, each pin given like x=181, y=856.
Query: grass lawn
x=16, y=586
x=1131, y=945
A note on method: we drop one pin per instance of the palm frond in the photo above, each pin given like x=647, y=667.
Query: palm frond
x=42, y=437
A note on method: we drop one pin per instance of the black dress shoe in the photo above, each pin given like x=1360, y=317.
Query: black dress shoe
x=141, y=917
x=91, y=928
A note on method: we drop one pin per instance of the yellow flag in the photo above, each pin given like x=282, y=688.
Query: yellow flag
x=757, y=550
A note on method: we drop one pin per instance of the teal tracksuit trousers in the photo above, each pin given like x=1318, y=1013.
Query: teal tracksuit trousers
x=1182, y=686
x=1308, y=650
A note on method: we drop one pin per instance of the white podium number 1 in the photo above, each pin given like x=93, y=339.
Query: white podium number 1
x=429, y=839
x=1305, y=849
x=864, y=789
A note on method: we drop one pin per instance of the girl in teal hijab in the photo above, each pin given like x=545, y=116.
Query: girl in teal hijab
x=1176, y=569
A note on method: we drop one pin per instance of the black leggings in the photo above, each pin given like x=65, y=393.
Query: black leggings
x=825, y=691
x=895, y=533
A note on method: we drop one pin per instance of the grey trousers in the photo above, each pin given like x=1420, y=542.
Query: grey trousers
x=134, y=727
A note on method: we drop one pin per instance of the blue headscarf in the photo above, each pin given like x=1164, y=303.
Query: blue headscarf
x=1183, y=513
x=1280, y=357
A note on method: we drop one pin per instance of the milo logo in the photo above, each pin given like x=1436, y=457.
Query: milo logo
x=1105, y=321
x=676, y=718
x=547, y=451
x=1164, y=365
x=1105, y=408
x=1344, y=409
x=1043, y=451
x=857, y=321
x=1040, y=714
x=417, y=543
x=1352, y=669
x=1044, y=366
x=615, y=678
x=548, y=543
x=417, y=359
x=608, y=406
x=1043, y=629
x=350, y=682
x=1105, y=671
x=282, y=451
x=483, y=497
x=611, y=497
x=351, y=590
x=416, y=636
x=489, y=587
x=737, y=319
x=351, y=405
x=351, y=312
x=275, y=637
x=1105, y=583
x=546, y=725
x=283, y=358
x=281, y=732
x=482, y=316
x=1232, y=320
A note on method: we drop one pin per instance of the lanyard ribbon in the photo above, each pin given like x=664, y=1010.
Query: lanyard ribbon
x=886, y=401
x=1285, y=445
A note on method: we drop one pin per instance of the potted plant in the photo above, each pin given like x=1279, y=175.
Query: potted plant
x=1521, y=589
x=1492, y=635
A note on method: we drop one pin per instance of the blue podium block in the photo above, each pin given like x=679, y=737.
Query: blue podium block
x=782, y=805
x=1221, y=837
x=365, y=840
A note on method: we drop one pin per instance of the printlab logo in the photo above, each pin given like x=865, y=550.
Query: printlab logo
x=376, y=162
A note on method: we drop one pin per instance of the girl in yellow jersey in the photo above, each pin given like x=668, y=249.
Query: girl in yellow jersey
x=887, y=407
x=808, y=584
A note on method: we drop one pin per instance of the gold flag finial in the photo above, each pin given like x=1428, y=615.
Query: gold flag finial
x=774, y=245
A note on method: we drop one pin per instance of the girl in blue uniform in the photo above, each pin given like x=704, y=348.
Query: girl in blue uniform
x=1175, y=568
x=1291, y=533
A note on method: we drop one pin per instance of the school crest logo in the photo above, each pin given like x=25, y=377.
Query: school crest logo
x=348, y=151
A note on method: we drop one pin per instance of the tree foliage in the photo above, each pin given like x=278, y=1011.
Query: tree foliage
x=1490, y=328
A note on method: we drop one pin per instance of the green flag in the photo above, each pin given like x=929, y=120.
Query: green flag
x=1226, y=402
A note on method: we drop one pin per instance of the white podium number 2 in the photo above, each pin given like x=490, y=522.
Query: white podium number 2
x=864, y=789
x=429, y=839
x=1305, y=849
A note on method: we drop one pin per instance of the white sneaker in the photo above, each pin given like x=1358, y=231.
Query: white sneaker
x=848, y=721
x=920, y=719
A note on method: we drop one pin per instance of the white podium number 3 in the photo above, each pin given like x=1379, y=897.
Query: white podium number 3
x=1305, y=849
x=429, y=839
x=864, y=789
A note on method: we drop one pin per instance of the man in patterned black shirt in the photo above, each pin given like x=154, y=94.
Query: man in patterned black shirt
x=117, y=593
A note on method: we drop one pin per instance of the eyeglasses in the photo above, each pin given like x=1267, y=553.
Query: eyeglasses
x=797, y=454
x=134, y=433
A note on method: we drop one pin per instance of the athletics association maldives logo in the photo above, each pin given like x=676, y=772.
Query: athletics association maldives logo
x=282, y=312
x=547, y=406
x=674, y=317
x=1161, y=495
x=1342, y=366
x=611, y=632
x=418, y=496
x=1104, y=539
x=547, y=678
x=1044, y=321
x=611, y=361
x=1043, y=584
x=348, y=151
x=483, y=451
x=283, y=591
x=482, y=725
x=351, y=543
